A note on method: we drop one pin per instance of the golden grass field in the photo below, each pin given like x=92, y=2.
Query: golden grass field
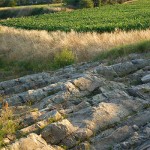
x=18, y=44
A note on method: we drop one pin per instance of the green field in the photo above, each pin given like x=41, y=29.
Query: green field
x=135, y=15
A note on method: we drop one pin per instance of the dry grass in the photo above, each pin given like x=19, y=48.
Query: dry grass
x=31, y=10
x=8, y=125
x=32, y=6
x=28, y=11
x=18, y=44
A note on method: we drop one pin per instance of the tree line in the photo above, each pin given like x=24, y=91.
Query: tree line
x=71, y=3
x=10, y=3
x=90, y=3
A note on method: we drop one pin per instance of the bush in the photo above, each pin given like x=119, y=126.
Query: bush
x=90, y=3
x=74, y=3
x=12, y=3
x=56, y=1
x=64, y=58
x=97, y=3
x=83, y=3
x=8, y=3
x=86, y=4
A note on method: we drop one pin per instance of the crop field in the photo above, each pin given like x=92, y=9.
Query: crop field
x=130, y=16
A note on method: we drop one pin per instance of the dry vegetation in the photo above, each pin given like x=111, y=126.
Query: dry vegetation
x=25, y=52
x=23, y=45
x=8, y=125
x=22, y=11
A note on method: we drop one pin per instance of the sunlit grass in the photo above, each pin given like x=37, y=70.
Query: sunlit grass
x=8, y=124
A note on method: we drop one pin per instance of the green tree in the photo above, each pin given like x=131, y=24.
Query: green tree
x=74, y=3
x=12, y=3
x=1, y=3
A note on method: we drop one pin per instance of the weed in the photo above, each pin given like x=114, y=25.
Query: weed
x=64, y=147
x=64, y=58
x=30, y=102
x=146, y=106
x=8, y=124
x=51, y=120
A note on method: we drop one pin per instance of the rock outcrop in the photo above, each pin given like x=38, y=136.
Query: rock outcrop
x=81, y=107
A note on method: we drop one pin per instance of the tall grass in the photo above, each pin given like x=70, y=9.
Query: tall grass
x=24, y=52
x=20, y=11
x=24, y=45
x=8, y=125
x=12, y=13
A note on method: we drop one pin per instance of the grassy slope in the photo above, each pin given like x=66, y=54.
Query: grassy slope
x=128, y=16
x=122, y=51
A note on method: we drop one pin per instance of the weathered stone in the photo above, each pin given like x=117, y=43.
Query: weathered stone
x=55, y=132
x=135, y=127
x=124, y=68
x=104, y=115
x=34, y=127
x=106, y=71
x=32, y=142
x=79, y=103
x=142, y=91
x=140, y=119
x=102, y=135
x=146, y=79
x=85, y=84
x=83, y=134
x=83, y=146
x=147, y=130
x=52, y=115
x=125, y=145
x=80, y=135
x=141, y=63
x=119, y=135
x=145, y=146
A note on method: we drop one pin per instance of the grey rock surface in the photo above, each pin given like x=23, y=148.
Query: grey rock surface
x=146, y=79
x=85, y=106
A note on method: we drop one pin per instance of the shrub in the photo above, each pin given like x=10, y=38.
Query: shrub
x=8, y=3
x=56, y=1
x=91, y=3
x=74, y=3
x=12, y=3
x=97, y=3
x=86, y=4
x=64, y=58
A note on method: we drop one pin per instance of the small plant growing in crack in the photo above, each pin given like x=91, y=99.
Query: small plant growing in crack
x=146, y=106
x=8, y=125
x=64, y=147
x=30, y=102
